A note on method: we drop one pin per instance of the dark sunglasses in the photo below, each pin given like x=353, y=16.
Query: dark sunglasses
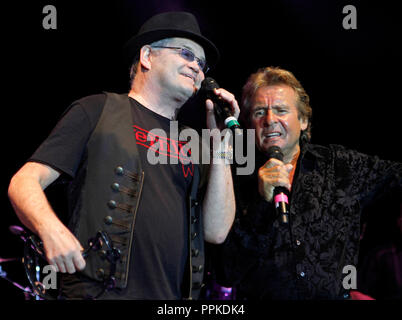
x=189, y=56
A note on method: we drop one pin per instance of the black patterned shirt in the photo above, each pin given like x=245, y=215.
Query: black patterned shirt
x=304, y=259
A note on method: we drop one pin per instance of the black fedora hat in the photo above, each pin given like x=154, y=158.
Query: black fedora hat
x=170, y=25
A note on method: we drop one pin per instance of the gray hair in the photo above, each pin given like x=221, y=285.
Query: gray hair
x=136, y=60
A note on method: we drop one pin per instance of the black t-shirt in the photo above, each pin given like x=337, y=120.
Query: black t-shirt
x=159, y=250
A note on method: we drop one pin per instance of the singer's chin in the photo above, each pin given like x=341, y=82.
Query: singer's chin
x=185, y=93
x=269, y=142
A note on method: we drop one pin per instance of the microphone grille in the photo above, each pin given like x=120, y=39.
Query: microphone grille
x=275, y=152
x=209, y=84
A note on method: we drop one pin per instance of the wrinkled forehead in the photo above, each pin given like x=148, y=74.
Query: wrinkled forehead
x=274, y=95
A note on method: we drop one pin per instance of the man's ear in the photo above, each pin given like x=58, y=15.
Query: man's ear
x=145, y=57
x=303, y=123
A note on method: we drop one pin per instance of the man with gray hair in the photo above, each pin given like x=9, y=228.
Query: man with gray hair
x=156, y=216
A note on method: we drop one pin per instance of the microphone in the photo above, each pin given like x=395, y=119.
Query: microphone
x=281, y=194
x=222, y=109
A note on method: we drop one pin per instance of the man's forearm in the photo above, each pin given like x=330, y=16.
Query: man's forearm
x=30, y=204
x=28, y=198
x=219, y=203
x=62, y=249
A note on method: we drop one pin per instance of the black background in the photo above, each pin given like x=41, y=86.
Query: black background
x=352, y=76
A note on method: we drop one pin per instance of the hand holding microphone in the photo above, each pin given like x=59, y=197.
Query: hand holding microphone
x=221, y=105
x=274, y=183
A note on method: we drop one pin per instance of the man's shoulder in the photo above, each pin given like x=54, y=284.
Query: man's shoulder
x=329, y=151
x=91, y=106
x=91, y=101
x=318, y=151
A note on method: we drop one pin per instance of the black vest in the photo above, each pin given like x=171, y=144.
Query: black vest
x=110, y=196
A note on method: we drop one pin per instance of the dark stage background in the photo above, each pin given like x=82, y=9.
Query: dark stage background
x=352, y=76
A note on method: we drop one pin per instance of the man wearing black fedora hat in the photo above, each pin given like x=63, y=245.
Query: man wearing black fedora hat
x=155, y=217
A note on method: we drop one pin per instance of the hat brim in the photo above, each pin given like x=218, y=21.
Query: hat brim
x=137, y=42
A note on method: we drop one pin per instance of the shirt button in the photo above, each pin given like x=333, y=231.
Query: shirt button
x=115, y=186
x=195, y=252
x=108, y=220
x=112, y=204
x=119, y=170
x=197, y=268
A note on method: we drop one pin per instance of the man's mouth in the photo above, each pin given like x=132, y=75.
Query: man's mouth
x=189, y=76
x=271, y=135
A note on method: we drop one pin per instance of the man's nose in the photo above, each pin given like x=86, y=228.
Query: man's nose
x=270, y=118
x=193, y=65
